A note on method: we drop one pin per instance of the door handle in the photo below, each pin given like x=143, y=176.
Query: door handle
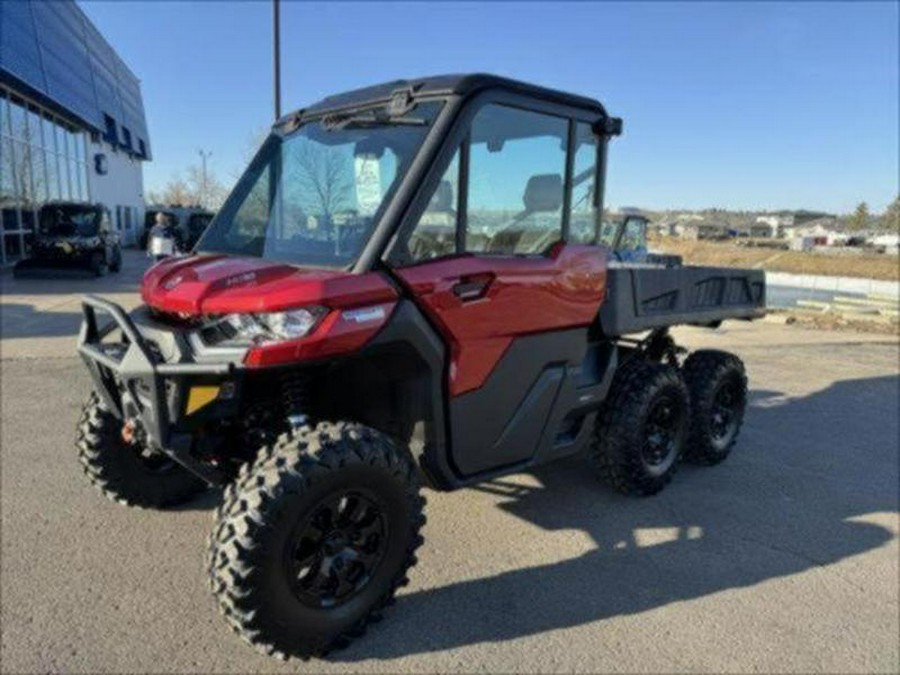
x=472, y=287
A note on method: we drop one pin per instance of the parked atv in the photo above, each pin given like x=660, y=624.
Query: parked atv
x=404, y=288
x=71, y=235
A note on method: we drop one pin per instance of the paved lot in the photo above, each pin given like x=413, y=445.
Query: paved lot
x=785, y=558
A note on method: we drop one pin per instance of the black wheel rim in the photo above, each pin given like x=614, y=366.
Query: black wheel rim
x=728, y=401
x=336, y=549
x=662, y=430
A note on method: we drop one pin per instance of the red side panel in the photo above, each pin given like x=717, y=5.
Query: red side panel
x=521, y=295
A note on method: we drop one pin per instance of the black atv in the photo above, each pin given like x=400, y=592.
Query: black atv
x=73, y=235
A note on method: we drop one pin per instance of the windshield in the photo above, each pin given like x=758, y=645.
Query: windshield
x=70, y=220
x=313, y=197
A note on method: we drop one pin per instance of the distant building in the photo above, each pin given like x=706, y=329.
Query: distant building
x=703, y=229
x=774, y=225
x=819, y=227
x=72, y=121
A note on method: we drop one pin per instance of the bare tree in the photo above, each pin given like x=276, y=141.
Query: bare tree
x=175, y=192
x=190, y=190
x=321, y=177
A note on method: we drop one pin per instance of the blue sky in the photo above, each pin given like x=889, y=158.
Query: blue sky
x=737, y=105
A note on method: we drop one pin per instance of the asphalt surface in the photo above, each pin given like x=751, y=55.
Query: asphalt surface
x=784, y=558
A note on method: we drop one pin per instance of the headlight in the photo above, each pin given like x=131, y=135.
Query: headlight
x=257, y=329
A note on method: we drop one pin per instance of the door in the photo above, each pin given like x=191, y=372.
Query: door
x=492, y=270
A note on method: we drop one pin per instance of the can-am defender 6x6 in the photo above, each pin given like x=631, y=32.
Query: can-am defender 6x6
x=405, y=287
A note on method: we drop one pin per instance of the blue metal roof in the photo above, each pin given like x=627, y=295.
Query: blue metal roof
x=53, y=52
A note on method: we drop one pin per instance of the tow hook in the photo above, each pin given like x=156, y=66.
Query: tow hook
x=129, y=430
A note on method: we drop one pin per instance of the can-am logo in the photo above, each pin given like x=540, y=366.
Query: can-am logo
x=173, y=282
x=240, y=279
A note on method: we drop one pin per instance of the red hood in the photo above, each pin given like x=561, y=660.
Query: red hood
x=224, y=284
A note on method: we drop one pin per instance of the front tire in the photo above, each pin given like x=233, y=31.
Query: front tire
x=314, y=538
x=128, y=473
x=641, y=429
x=717, y=384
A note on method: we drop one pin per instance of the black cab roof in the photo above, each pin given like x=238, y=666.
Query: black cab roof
x=446, y=85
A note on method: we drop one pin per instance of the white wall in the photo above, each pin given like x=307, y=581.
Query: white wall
x=122, y=186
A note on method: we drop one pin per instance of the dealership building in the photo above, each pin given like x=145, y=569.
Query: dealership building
x=72, y=124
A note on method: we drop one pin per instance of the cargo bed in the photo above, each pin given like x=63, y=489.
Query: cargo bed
x=641, y=298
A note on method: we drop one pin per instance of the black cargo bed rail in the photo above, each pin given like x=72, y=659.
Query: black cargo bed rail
x=645, y=298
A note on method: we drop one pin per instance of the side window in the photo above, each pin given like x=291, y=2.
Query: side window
x=582, y=216
x=517, y=161
x=435, y=233
x=634, y=236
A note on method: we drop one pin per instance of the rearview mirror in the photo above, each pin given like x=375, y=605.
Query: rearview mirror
x=369, y=147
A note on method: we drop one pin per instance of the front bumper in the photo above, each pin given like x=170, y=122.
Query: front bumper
x=147, y=376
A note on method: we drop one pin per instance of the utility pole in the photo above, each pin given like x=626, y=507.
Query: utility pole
x=276, y=54
x=204, y=155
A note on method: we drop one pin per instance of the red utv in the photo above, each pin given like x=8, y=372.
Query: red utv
x=405, y=287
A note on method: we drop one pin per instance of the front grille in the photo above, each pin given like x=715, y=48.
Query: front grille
x=175, y=319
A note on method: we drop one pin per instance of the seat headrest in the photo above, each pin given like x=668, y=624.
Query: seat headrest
x=442, y=200
x=544, y=192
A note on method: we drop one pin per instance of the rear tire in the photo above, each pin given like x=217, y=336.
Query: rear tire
x=123, y=472
x=641, y=429
x=314, y=538
x=717, y=384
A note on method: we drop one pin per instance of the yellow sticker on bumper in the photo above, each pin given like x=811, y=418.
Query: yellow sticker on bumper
x=201, y=396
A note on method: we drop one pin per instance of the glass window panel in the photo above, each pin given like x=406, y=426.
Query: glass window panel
x=4, y=113
x=10, y=219
x=64, y=183
x=7, y=172
x=52, y=175
x=71, y=142
x=33, y=132
x=73, y=178
x=434, y=235
x=17, y=120
x=81, y=148
x=28, y=219
x=22, y=171
x=516, y=166
x=38, y=174
x=60, y=134
x=12, y=244
x=82, y=168
x=47, y=134
x=582, y=217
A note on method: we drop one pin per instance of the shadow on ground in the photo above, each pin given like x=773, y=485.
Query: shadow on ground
x=18, y=320
x=21, y=298
x=50, y=281
x=785, y=503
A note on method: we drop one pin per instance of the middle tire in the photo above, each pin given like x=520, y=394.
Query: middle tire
x=314, y=538
x=641, y=430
